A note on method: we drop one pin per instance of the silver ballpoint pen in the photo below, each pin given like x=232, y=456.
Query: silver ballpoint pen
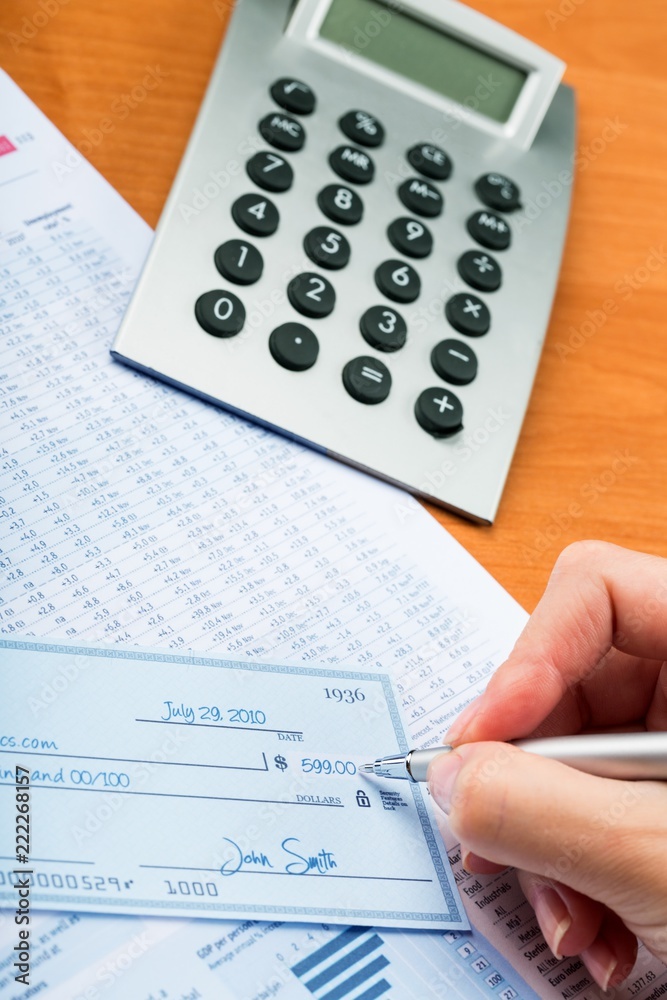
x=630, y=756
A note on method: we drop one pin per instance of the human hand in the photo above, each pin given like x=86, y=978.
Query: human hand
x=591, y=852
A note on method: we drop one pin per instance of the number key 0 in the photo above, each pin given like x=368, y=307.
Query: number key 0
x=220, y=313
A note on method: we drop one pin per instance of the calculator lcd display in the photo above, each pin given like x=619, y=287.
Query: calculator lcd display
x=419, y=51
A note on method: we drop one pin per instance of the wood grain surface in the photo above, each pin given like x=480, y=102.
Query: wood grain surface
x=592, y=459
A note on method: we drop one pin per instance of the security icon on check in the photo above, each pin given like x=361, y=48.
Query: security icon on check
x=363, y=800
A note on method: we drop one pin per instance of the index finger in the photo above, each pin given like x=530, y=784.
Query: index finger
x=592, y=649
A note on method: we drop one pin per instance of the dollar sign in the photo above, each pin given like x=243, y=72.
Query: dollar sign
x=280, y=762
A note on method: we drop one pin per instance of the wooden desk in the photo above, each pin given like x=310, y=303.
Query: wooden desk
x=601, y=389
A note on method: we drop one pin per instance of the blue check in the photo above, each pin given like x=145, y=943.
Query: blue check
x=180, y=785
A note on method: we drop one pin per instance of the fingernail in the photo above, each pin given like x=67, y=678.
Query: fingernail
x=553, y=917
x=466, y=860
x=475, y=864
x=442, y=776
x=462, y=721
x=600, y=962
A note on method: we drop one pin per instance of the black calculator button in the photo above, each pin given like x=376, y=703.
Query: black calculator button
x=255, y=214
x=454, y=361
x=220, y=313
x=480, y=270
x=398, y=281
x=431, y=161
x=311, y=294
x=294, y=346
x=383, y=328
x=420, y=197
x=410, y=237
x=498, y=191
x=327, y=247
x=352, y=164
x=363, y=128
x=270, y=171
x=468, y=314
x=439, y=412
x=293, y=95
x=283, y=132
x=367, y=380
x=239, y=261
x=489, y=230
x=341, y=204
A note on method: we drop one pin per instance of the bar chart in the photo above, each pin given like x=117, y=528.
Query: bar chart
x=356, y=969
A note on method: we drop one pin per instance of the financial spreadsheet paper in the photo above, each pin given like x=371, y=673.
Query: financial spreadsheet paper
x=230, y=789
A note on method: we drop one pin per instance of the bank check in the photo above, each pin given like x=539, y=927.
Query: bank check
x=174, y=784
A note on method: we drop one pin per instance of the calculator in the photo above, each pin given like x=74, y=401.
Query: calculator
x=362, y=245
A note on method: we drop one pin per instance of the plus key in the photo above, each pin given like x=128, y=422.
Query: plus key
x=439, y=412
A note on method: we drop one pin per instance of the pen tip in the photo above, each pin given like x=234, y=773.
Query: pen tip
x=366, y=768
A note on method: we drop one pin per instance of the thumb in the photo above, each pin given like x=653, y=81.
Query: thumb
x=596, y=835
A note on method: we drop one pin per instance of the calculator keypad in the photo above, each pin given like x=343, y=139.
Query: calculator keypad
x=362, y=128
x=294, y=346
x=255, y=215
x=270, y=171
x=283, y=132
x=311, y=295
x=239, y=262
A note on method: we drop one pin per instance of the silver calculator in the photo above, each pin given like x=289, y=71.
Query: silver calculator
x=362, y=244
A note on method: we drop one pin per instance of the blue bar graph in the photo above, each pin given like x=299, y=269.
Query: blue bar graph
x=357, y=979
x=328, y=965
x=376, y=990
x=344, y=963
x=327, y=950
